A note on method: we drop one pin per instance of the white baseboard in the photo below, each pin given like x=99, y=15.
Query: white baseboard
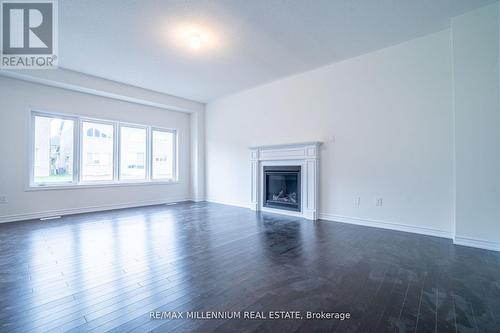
x=198, y=199
x=364, y=222
x=481, y=244
x=386, y=225
x=79, y=210
x=458, y=240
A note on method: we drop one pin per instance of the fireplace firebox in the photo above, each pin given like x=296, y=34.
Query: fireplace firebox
x=282, y=187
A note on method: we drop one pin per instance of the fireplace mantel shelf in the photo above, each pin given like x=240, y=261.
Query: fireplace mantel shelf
x=287, y=145
x=304, y=154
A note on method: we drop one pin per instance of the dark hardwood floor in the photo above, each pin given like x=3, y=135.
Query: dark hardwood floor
x=106, y=271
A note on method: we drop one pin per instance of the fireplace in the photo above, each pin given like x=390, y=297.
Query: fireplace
x=295, y=165
x=281, y=187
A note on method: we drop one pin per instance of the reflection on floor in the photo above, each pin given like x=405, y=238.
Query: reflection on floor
x=107, y=271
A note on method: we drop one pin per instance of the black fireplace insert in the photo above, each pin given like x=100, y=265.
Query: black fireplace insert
x=282, y=187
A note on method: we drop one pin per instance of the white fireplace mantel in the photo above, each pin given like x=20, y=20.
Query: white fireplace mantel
x=305, y=155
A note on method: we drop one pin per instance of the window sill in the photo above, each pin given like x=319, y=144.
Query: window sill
x=96, y=185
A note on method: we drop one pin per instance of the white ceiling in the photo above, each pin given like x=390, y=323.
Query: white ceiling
x=244, y=43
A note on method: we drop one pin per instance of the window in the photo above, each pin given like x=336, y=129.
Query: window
x=132, y=153
x=97, y=152
x=163, y=154
x=76, y=151
x=53, y=150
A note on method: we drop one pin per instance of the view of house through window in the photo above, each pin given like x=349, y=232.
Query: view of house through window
x=132, y=153
x=53, y=150
x=97, y=151
x=163, y=157
x=73, y=150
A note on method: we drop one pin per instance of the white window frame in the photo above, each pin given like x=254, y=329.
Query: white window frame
x=78, y=151
x=31, y=150
x=174, y=150
x=147, y=173
x=81, y=120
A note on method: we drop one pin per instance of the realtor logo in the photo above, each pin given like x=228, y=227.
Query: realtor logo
x=29, y=34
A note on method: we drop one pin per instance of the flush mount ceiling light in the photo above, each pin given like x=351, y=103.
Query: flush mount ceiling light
x=195, y=41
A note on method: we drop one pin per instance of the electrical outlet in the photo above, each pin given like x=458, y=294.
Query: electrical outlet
x=357, y=201
x=3, y=199
x=379, y=202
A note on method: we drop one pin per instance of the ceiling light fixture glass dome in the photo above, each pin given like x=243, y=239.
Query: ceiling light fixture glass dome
x=195, y=41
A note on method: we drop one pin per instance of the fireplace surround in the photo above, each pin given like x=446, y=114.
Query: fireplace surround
x=287, y=169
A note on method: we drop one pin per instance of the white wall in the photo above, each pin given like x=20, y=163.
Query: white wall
x=19, y=97
x=77, y=81
x=476, y=40
x=386, y=122
x=198, y=155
